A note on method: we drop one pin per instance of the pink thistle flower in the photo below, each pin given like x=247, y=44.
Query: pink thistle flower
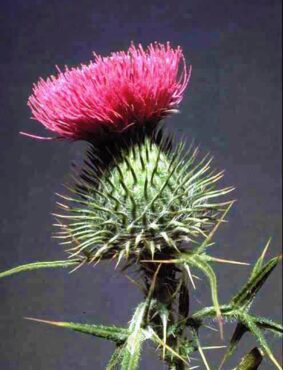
x=137, y=87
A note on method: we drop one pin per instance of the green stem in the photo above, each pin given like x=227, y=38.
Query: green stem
x=162, y=285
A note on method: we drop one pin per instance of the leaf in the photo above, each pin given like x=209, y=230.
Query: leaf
x=38, y=266
x=256, y=281
x=198, y=262
x=116, y=358
x=251, y=361
x=248, y=321
x=187, y=347
x=259, y=262
x=164, y=316
x=155, y=338
x=206, y=312
x=267, y=324
x=236, y=337
x=132, y=351
x=113, y=333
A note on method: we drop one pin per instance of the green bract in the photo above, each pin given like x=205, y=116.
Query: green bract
x=149, y=201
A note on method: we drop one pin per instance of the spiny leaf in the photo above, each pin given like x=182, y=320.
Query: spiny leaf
x=251, y=361
x=155, y=338
x=187, y=347
x=267, y=324
x=38, y=266
x=256, y=281
x=116, y=358
x=248, y=321
x=132, y=351
x=201, y=264
x=259, y=263
x=226, y=310
x=164, y=315
x=113, y=333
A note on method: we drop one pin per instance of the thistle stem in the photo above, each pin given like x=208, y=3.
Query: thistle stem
x=167, y=292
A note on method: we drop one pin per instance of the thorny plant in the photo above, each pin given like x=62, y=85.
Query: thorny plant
x=150, y=205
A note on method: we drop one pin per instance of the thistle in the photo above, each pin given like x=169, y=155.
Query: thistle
x=147, y=202
x=111, y=94
x=152, y=201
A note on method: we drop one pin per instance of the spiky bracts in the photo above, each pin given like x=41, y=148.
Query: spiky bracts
x=150, y=202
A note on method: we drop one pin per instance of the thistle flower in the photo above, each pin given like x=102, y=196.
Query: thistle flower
x=134, y=88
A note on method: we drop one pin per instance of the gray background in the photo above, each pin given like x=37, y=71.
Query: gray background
x=232, y=109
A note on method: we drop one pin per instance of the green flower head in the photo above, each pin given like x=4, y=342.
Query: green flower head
x=151, y=200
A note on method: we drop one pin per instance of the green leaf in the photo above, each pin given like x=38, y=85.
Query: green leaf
x=164, y=316
x=200, y=263
x=259, y=263
x=132, y=351
x=251, y=361
x=256, y=281
x=247, y=320
x=171, y=351
x=226, y=310
x=187, y=348
x=38, y=266
x=267, y=324
x=116, y=358
x=113, y=333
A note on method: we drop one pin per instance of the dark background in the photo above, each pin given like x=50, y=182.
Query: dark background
x=232, y=109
